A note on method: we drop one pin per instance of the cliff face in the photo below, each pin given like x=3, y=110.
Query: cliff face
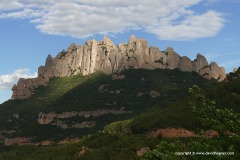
x=25, y=87
x=61, y=119
x=106, y=57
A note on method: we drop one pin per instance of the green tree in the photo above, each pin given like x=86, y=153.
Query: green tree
x=221, y=120
x=225, y=121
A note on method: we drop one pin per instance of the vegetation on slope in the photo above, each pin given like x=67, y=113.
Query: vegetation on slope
x=122, y=139
x=80, y=93
x=224, y=121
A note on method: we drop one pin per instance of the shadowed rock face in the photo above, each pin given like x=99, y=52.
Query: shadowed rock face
x=106, y=57
x=61, y=119
x=25, y=87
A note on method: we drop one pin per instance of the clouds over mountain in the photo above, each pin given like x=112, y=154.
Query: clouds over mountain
x=7, y=81
x=171, y=20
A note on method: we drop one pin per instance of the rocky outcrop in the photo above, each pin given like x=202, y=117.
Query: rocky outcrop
x=44, y=143
x=213, y=71
x=173, y=58
x=118, y=77
x=65, y=141
x=185, y=64
x=16, y=116
x=141, y=152
x=25, y=87
x=102, y=88
x=24, y=141
x=140, y=94
x=106, y=57
x=61, y=119
x=17, y=141
x=199, y=63
x=65, y=125
x=154, y=94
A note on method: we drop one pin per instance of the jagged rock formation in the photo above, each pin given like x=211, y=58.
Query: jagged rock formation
x=106, y=57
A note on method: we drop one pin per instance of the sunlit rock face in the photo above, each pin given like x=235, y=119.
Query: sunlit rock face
x=106, y=57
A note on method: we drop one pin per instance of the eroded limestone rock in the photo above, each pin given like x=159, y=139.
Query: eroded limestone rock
x=104, y=56
x=59, y=119
x=17, y=141
x=185, y=64
x=25, y=87
x=199, y=63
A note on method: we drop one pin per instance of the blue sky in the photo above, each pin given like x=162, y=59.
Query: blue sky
x=32, y=29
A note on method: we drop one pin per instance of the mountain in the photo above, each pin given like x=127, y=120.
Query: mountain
x=104, y=56
x=51, y=123
x=121, y=110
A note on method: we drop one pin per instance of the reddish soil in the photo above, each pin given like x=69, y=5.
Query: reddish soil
x=179, y=133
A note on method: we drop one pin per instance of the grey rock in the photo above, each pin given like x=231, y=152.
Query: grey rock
x=199, y=63
x=141, y=152
x=173, y=58
x=185, y=64
x=104, y=56
x=154, y=94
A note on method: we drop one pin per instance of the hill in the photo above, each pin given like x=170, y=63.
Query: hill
x=120, y=136
x=79, y=105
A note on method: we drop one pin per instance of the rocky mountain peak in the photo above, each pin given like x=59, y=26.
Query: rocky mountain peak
x=170, y=49
x=49, y=61
x=104, y=56
x=132, y=39
x=107, y=41
x=72, y=47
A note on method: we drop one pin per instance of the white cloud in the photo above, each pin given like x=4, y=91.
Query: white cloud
x=195, y=26
x=23, y=14
x=10, y=5
x=7, y=81
x=172, y=20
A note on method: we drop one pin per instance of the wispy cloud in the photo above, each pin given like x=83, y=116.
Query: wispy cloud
x=8, y=80
x=231, y=63
x=193, y=27
x=84, y=18
x=214, y=55
x=23, y=14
